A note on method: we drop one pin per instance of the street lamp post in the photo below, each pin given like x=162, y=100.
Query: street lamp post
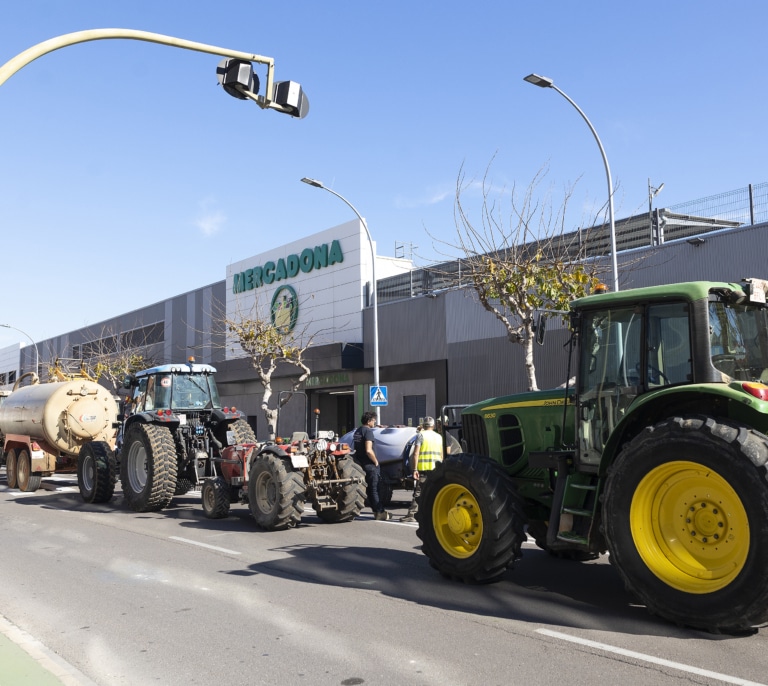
x=652, y=193
x=546, y=82
x=37, y=354
x=318, y=184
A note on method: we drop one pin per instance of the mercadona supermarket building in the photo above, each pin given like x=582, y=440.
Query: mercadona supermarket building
x=437, y=346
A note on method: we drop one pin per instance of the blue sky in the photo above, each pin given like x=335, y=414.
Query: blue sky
x=128, y=176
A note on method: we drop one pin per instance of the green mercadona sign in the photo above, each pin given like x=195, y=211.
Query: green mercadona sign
x=307, y=260
x=331, y=379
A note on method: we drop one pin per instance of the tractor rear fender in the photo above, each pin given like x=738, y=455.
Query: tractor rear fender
x=218, y=418
x=298, y=460
x=170, y=421
x=710, y=399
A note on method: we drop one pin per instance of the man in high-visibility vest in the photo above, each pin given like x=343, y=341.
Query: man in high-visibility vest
x=427, y=451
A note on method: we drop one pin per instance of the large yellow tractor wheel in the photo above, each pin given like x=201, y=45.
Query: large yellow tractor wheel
x=686, y=519
x=470, y=519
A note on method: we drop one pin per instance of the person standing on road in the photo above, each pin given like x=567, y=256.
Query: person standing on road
x=427, y=451
x=366, y=457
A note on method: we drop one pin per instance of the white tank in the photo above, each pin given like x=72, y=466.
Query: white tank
x=63, y=414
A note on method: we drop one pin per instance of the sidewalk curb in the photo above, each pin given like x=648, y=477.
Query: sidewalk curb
x=31, y=661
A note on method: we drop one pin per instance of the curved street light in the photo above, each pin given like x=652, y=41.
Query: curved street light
x=285, y=96
x=37, y=354
x=546, y=82
x=318, y=184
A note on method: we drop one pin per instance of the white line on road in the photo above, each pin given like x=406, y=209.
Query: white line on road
x=649, y=658
x=205, y=545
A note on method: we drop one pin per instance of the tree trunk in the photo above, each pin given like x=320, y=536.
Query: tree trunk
x=530, y=368
x=271, y=415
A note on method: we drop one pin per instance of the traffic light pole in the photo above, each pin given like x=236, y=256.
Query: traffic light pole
x=30, y=54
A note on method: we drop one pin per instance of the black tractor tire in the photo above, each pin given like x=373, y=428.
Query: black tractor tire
x=183, y=485
x=349, y=497
x=471, y=519
x=148, y=467
x=28, y=482
x=685, y=515
x=215, y=497
x=275, y=492
x=96, y=472
x=11, y=468
x=242, y=432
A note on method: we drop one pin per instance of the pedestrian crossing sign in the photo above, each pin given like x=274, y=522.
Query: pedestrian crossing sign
x=378, y=396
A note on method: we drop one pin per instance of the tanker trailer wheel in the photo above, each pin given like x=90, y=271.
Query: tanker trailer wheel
x=275, y=492
x=349, y=497
x=28, y=482
x=686, y=520
x=148, y=467
x=11, y=468
x=471, y=520
x=216, y=498
x=96, y=472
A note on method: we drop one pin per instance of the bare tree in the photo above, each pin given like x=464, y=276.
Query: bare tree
x=524, y=267
x=110, y=355
x=269, y=342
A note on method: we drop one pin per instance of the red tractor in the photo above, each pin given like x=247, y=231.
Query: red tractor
x=277, y=479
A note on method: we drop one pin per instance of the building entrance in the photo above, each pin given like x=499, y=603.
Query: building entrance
x=337, y=410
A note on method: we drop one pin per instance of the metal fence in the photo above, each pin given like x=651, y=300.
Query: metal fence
x=745, y=206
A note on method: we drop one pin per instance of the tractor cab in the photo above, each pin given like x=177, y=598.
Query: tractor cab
x=174, y=387
x=652, y=339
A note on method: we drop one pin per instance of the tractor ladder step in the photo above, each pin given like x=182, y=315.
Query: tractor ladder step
x=571, y=537
x=583, y=487
x=578, y=511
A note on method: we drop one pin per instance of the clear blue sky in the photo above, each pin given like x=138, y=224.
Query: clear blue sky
x=128, y=176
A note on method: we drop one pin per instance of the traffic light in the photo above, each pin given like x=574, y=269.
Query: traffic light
x=237, y=78
x=237, y=75
x=291, y=96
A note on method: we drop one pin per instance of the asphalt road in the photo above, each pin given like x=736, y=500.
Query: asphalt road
x=173, y=598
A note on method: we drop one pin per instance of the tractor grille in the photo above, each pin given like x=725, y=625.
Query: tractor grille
x=473, y=428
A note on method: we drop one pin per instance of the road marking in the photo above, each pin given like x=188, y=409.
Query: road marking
x=649, y=658
x=204, y=545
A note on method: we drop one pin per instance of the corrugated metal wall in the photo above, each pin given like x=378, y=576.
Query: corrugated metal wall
x=188, y=321
x=481, y=362
x=720, y=256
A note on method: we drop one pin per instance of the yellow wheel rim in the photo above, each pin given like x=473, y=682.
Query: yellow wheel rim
x=690, y=527
x=457, y=521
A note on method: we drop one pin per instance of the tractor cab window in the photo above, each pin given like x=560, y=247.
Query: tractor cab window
x=140, y=395
x=609, y=357
x=624, y=353
x=669, y=358
x=194, y=392
x=738, y=340
x=162, y=396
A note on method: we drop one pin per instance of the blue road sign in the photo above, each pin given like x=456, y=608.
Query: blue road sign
x=378, y=396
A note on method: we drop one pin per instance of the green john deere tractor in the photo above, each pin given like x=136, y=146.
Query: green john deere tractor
x=656, y=452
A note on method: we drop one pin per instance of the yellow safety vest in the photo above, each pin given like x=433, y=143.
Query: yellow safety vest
x=430, y=451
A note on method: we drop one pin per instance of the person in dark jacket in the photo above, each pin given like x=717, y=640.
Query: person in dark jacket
x=365, y=456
